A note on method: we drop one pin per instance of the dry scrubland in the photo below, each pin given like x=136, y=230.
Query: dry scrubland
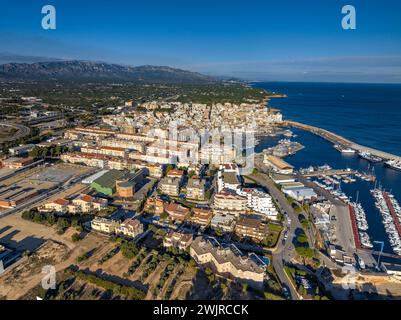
x=49, y=248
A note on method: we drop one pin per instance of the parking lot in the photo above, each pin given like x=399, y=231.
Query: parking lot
x=25, y=186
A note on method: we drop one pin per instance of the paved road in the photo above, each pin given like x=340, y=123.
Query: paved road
x=22, y=131
x=344, y=232
x=285, y=250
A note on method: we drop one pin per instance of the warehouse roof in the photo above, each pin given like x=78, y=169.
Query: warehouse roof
x=109, y=179
x=278, y=162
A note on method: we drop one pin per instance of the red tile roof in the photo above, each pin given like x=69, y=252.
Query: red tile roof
x=175, y=173
x=61, y=202
x=86, y=198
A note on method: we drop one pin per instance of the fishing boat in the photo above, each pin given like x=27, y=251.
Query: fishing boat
x=365, y=240
x=343, y=149
x=348, y=151
x=369, y=157
x=393, y=164
x=360, y=261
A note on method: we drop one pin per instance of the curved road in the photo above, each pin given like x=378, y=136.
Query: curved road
x=22, y=131
x=285, y=250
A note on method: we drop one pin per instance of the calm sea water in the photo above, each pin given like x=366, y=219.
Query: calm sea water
x=324, y=106
x=368, y=114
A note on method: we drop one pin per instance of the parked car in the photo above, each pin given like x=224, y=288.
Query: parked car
x=286, y=292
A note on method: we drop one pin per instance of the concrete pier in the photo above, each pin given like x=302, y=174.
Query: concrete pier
x=337, y=139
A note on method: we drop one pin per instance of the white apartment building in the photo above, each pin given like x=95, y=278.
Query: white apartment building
x=125, y=144
x=130, y=228
x=260, y=202
x=223, y=222
x=90, y=160
x=229, y=261
x=108, y=151
x=82, y=204
x=104, y=225
x=86, y=203
x=170, y=186
x=226, y=200
x=152, y=158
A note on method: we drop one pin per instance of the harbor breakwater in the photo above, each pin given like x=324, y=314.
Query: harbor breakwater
x=337, y=139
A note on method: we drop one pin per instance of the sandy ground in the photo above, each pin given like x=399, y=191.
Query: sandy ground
x=162, y=293
x=116, y=265
x=48, y=249
x=184, y=285
x=25, y=235
x=385, y=285
x=153, y=279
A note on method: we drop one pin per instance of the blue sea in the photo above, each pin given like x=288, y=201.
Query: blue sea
x=367, y=114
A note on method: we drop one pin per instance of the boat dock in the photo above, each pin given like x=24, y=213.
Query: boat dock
x=354, y=225
x=332, y=172
x=393, y=213
x=337, y=139
x=383, y=254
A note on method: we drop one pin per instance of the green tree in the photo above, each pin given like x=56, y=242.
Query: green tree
x=57, y=150
x=62, y=224
x=192, y=263
x=129, y=249
x=27, y=215
x=305, y=252
x=302, y=238
x=51, y=219
x=169, y=167
x=37, y=217
x=208, y=271
x=75, y=237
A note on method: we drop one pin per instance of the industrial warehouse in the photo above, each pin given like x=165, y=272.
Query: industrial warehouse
x=20, y=188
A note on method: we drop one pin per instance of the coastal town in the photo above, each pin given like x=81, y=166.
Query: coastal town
x=159, y=199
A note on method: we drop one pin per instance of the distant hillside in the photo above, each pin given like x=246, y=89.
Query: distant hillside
x=6, y=57
x=97, y=71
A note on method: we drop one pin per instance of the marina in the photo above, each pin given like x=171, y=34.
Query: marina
x=336, y=175
x=359, y=226
x=362, y=225
x=390, y=211
x=284, y=148
x=331, y=180
x=319, y=157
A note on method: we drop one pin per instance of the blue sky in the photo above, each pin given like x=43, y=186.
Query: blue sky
x=284, y=40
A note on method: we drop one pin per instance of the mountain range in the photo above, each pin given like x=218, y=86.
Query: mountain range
x=78, y=70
